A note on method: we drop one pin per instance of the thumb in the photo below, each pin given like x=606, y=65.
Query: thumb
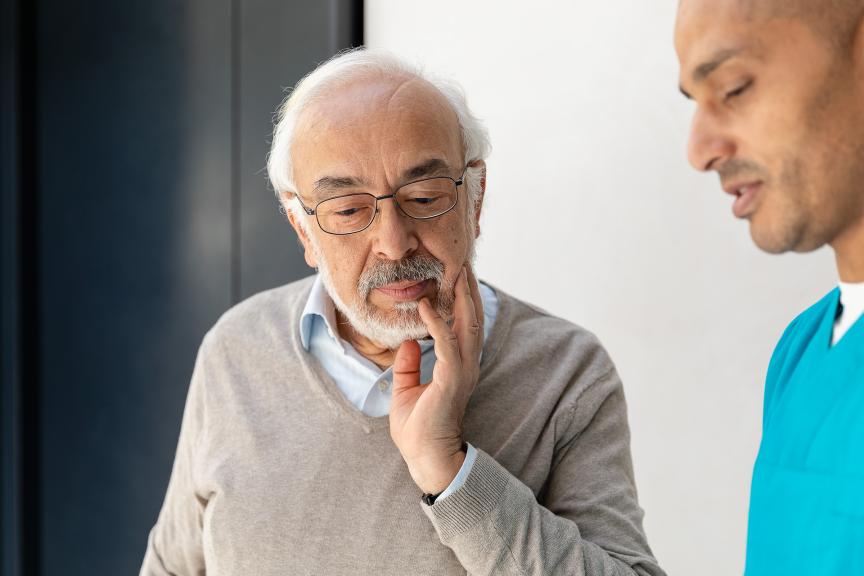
x=406, y=366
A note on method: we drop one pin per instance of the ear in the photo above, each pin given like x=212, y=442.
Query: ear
x=478, y=202
x=308, y=252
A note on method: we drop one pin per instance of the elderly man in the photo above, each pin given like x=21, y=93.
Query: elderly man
x=320, y=437
x=779, y=88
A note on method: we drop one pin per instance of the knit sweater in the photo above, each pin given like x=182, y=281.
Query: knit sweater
x=277, y=473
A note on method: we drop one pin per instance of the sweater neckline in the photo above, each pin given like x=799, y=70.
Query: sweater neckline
x=321, y=379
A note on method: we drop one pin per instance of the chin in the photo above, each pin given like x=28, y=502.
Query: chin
x=392, y=337
x=767, y=244
x=782, y=239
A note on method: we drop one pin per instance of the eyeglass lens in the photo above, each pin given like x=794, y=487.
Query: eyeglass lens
x=354, y=212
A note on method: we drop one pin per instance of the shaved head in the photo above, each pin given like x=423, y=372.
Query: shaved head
x=834, y=20
x=837, y=20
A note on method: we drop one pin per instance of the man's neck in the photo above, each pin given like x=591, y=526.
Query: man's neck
x=849, y=252
x=380, y=355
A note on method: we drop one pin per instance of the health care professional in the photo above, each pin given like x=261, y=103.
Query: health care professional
x=779, y=89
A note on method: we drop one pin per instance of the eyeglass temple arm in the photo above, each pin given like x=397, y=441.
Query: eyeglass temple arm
x=309, y=211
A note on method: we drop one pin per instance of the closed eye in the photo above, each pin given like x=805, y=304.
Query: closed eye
x=347, y=212
x=424, y=200
x=739, y=91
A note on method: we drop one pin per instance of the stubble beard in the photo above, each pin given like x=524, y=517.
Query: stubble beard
x=785, y=228
x=822, y=177
x=811, y=212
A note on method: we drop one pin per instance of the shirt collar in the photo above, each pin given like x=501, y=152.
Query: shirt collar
x=319, y=304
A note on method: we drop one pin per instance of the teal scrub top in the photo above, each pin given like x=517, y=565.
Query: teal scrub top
x=807, y=497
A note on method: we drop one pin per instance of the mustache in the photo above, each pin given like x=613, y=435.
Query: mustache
x=737, y=167
x=414, y=268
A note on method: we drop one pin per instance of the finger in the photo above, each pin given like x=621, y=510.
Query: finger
x=446, y=345
x=465, y=324
x=406, y=366
x=474, y=285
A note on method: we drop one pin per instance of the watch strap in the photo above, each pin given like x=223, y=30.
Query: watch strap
x=429, y=499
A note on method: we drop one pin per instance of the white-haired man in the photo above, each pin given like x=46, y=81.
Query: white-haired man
x=315, y=420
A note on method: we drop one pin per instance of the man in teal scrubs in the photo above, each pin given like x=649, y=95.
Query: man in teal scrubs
x=779, y=93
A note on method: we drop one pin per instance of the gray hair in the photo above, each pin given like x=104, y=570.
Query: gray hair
x=357, y=64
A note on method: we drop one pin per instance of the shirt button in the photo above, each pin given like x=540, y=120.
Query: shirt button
x=383, y=385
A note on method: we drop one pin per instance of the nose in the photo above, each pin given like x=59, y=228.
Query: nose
x=395, y=234
x=709, y=145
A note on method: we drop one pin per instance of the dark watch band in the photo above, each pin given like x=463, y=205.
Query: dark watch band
x=429, y=499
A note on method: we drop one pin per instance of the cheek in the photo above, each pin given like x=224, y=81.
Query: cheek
x=768, y=131
x=833, y=183
x=451, y=245
x=455, y=239
x=344, y=262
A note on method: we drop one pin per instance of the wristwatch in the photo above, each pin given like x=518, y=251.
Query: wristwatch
x=429, y=499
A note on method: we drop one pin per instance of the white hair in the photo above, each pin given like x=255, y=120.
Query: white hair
x=362, y=63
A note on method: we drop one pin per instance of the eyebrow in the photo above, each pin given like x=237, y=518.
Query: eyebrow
x=329, y=184
x=332, y=184
x=703, y=71
x=431, y=167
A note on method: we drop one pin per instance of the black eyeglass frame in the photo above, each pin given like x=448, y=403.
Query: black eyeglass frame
x=314, y=211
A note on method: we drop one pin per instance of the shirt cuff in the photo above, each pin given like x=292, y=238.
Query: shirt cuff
x=457, y=482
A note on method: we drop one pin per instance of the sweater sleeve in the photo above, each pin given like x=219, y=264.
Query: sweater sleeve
x=589, y=522
x=174, y=546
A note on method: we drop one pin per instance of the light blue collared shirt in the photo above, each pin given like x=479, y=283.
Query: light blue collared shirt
x=364, y=384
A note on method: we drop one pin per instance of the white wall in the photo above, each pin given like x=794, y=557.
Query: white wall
x=593, y=213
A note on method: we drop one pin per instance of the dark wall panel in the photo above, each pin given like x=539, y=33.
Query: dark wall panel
x=278, y=48
x=143, y=213
x=9, y=353
x=134, y=218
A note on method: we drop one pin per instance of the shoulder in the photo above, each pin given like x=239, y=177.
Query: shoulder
x=795, y=339
x=270, y=314
x=251, y=347
x=544, y=331
x=547, y=373
x=551, y=349
x=801, y=330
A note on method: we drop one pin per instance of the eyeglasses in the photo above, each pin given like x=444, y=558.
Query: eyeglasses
x=421, y=200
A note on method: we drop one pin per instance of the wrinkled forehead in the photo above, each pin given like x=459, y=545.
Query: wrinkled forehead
x=363, y=131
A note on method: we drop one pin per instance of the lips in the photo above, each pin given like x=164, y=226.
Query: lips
x=404, y=291
x=745, y=194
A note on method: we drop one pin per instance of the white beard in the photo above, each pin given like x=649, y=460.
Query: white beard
x=404, y=323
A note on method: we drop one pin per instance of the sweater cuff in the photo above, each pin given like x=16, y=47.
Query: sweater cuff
x=459, y=480
x=473, y=501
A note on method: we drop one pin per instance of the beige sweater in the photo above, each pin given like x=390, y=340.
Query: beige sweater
x=277, y=473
